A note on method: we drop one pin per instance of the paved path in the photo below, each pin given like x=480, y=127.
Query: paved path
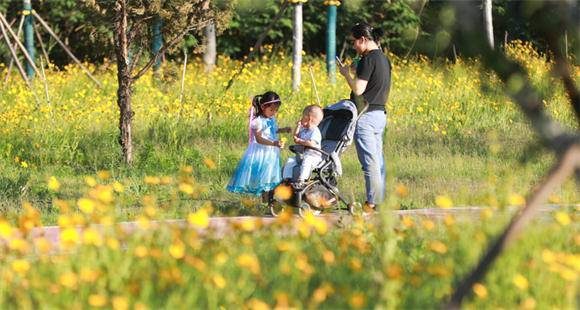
x=221, y=225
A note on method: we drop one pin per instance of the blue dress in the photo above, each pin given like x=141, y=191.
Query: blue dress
x=259, y=169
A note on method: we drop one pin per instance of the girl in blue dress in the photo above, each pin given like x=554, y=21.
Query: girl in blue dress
x=259, y=172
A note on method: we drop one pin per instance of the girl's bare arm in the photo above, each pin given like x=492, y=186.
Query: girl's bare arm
x=264, y=141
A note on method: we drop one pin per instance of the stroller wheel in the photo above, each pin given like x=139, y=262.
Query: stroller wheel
x=355, y=207
x=305, y=208
x=275, y=208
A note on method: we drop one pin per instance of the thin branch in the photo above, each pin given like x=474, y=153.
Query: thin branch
x=135, y=61
x=20, y=45
x=562, y=67
x=258, y=43
x=559, y=173
x=417, y=30
x=167, y=46
x=39, y=38
x=565, y=145
x=14, y=56
x=7, y=78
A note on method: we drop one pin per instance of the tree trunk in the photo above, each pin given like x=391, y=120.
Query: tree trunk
x=488, y=22
x=209, y=57
x=124, y=81
x=297, y=59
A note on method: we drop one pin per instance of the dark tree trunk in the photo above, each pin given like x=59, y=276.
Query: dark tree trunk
x=125, y=83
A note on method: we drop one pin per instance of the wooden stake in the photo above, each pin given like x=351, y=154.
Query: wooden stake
x=39, y=38
x=314, y=84
x=183, y=76
x=20, y=45
x=14, y=56
x=45, y=83
x=12, y=59
x=65, y=48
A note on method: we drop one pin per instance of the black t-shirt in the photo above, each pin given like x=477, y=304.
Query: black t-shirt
x=375, y=68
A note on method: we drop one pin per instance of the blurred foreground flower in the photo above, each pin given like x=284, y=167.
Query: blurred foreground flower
x=443, y=202
x=283, y=192
x=199, y=219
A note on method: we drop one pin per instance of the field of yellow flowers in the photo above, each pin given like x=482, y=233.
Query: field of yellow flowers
x=453, y=139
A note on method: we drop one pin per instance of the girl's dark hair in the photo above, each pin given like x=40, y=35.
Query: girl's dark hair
x=263, y=101
x=360, y=30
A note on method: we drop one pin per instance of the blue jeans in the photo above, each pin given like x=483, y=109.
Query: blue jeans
x=368, y=138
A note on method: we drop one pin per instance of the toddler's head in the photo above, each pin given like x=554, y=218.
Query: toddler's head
x=311, y=116
x=267, y=104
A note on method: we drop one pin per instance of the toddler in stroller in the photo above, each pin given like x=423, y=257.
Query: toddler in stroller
x=316, y=190
x=307, y=134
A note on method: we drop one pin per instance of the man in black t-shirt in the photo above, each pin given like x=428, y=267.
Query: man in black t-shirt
x=371, y=85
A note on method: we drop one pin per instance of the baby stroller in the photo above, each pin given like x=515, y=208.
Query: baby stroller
x=321, y=192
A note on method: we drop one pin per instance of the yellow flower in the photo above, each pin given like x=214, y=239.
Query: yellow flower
x=480, y=290
x=5, y=229
x=88, y=275
x=24, y=164
x=256, y=304
x=141, y=251
x=20, y=266
x=177, y=250
x=438, y=247
x=355, y=264
x=86, y=205
x=90, y=181
x=219, y=281
x=120, y=303
x=357, y=300
x=248, y=224
x=92, y=237
x=118, y=187
x=186, y=188
x=516, y=200
x=69, y=236
x=97, y=300
x=407, y=222
x=113, y=243
x=548, y=256
x=328, y=257
x=486, y=213
x=563, y=218
x=529, y=303
x=103, y=175
x=151, y=180
x=394, y=271
x=443, y=202
x=428, y=224
x=53, y=184
x=520, y=282
x=68, y=280
x=210, y=163
x=199, y=219
x=283, y=192
x=249, y=261
x=401, y=190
